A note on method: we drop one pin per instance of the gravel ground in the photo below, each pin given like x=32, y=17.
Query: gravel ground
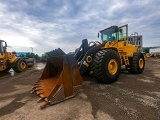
x=132, y=97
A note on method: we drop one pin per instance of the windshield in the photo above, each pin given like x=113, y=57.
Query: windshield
x=109, y=34
x=3, y=46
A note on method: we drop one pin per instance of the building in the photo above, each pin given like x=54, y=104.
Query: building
x=21, y=54
x=136, y=39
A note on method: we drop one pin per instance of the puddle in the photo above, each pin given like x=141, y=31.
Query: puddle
x=40, y=66
x=146, y=80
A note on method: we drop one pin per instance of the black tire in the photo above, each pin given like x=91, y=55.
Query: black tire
x=86, y=73
x=137, y=63
x=101, y=68
x=21, y=65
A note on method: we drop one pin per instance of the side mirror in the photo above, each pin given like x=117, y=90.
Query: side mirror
x=5, y=44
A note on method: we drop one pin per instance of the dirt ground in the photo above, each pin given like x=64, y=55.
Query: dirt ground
x=132, y=97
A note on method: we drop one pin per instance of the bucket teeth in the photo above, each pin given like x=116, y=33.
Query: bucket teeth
x=42, y=96
x=37, y=86
x=33, y=88
x=38, y=89
x=46, y=99
x=36, y=83
x=44, y=105
x=32, y=91
x=39, y=93
x=40, y=100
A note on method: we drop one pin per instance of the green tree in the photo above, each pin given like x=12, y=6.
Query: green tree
x=44, y=56
x=36, y=56
x=32, y=55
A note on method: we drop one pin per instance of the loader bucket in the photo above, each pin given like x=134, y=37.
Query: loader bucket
x=59, y=81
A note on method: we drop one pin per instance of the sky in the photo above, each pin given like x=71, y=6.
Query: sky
x=45, y=25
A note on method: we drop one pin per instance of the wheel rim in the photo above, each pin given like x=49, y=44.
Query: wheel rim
x=141, y=63
x=23, y=65
x=112, y=66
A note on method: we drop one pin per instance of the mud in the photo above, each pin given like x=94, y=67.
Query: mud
x=132, y=97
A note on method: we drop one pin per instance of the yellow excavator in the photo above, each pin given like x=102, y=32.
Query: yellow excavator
x=9, y=60
x=62, y=76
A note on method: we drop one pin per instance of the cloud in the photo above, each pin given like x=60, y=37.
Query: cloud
x=46, y=25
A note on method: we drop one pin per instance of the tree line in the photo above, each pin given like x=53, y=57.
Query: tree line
x=43, y=57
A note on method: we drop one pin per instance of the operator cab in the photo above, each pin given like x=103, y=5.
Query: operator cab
x=114, y=33
x=3, y=46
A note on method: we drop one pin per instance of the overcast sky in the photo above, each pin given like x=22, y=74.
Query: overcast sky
x=45, y=25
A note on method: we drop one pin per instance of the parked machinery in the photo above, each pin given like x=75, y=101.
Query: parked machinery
x=61, y=78
x=9, y=60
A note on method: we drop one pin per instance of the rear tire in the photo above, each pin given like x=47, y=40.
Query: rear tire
x=137, y=63
x=107, y=66
x=21, y=65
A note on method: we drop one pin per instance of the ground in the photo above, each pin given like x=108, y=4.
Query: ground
x=132, y=97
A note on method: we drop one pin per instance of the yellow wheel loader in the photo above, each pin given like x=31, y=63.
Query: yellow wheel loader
x=9, y=60
x=61, y=78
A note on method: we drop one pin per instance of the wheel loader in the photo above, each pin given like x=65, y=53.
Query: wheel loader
x=9, y=60
x=62, y=76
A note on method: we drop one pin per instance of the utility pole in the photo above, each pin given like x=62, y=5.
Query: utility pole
x=32, y=49
x=32, y=52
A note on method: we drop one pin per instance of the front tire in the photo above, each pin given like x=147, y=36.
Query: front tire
x=21, y=65
x=107, y=66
